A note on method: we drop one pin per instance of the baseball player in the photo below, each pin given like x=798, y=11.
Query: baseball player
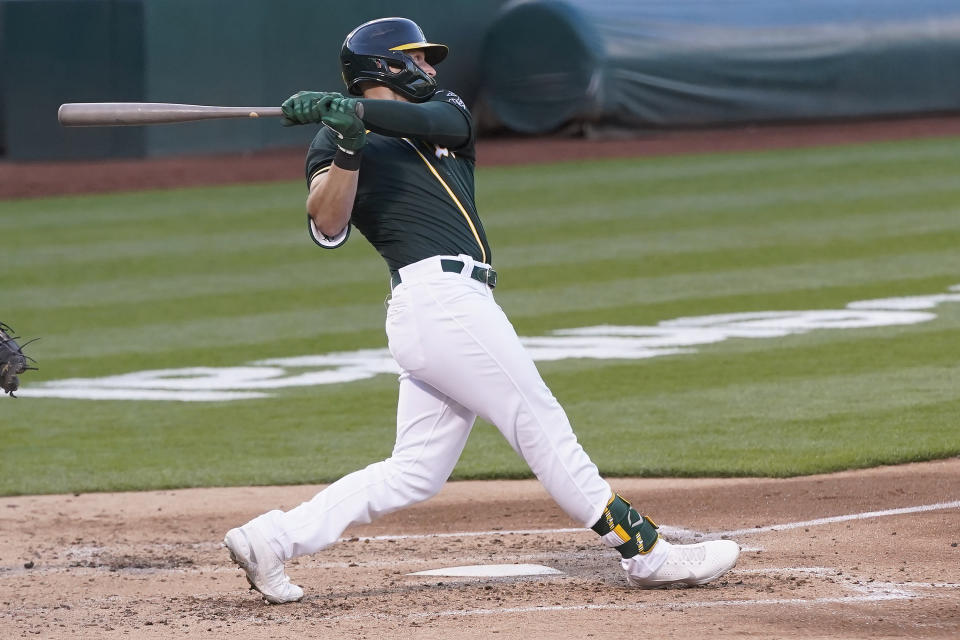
x=403, y=177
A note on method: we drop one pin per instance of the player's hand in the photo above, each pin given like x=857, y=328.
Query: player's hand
x=305, y=107
x=341, y=116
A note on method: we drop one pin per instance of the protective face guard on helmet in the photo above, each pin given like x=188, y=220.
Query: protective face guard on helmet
x=410, y=81
x=370, y=50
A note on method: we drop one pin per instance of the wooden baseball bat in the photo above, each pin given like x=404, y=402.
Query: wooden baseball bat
x=118, y=114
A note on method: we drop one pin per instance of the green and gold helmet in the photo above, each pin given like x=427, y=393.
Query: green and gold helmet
x=370, y=50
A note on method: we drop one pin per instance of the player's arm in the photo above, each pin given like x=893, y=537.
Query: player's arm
x=330, y=200
x=438, y=122
x=333, y=185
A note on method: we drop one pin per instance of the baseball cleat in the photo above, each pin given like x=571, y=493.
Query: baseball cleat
x=263, y=568
x=690, y=564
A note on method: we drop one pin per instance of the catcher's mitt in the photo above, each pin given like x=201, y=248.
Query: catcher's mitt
x=13, y=361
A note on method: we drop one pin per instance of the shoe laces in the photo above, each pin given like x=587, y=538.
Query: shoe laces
x=687, y=554
x=276, y=574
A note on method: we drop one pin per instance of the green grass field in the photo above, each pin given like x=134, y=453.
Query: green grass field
x=222, y=277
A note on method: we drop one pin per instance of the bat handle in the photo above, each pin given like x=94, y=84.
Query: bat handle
x=358, y=110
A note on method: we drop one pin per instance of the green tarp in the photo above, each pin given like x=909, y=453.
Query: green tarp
x=660, y=63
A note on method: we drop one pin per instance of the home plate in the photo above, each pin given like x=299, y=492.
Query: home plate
x=491, y=571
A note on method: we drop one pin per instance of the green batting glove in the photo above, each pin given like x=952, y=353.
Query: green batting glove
x=341, y=116
x=306, y=107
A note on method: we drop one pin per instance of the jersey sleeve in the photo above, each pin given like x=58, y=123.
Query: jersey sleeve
x=319, y=158
x=443, y=120
x=451, y=97
x=325, y=241
x=320, y=154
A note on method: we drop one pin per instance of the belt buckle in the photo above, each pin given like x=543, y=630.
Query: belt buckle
x=490, y=278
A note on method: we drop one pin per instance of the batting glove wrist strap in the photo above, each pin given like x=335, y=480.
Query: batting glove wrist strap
x=348, y=160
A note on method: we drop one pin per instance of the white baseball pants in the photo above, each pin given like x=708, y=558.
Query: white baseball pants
x=461, y=358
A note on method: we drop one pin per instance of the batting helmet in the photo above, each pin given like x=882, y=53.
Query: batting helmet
x=370, y=50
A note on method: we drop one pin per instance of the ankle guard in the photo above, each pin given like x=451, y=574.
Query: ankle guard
x=624, y=529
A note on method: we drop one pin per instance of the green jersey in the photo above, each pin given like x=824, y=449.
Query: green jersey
x=414, y=199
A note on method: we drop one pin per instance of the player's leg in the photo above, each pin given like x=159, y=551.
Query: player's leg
x=447, y=330
x=431, y=433
x=475, y=356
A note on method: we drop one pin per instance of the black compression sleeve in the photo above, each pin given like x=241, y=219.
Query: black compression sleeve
x=439, y=123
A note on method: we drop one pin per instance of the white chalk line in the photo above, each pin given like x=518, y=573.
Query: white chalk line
x=866, y=592
x=939, y=506
x=675, y=531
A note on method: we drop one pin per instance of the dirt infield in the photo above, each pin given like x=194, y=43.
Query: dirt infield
x=863, y=554
x=36, y=179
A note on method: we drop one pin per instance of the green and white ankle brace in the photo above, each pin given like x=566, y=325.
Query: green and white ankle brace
x=624, y=529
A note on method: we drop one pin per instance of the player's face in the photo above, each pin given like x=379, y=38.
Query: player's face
x=383, y=92
x=420, y=59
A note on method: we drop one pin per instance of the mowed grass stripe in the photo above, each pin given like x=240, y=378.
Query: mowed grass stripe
x=156, y=209
x=234, y=269
x=240, y=329
x=587, y=259
x=651, y=254
x=684, y=209
x=656, y=177
x=638, y=290
x=814, y=398
x=816, y=297
x=890, y=158
x=109, y=249
x=301, y=281
x=175, y=255
x=750, y=446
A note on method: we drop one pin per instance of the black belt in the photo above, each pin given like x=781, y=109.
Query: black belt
x=480, y=274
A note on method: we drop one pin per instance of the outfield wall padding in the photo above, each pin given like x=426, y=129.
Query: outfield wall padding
x=229, y=52
x=56, y=51
x=661, y=63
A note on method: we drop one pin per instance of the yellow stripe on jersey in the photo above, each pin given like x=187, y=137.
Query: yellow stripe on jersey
x=318, y=172
x=466, y=216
